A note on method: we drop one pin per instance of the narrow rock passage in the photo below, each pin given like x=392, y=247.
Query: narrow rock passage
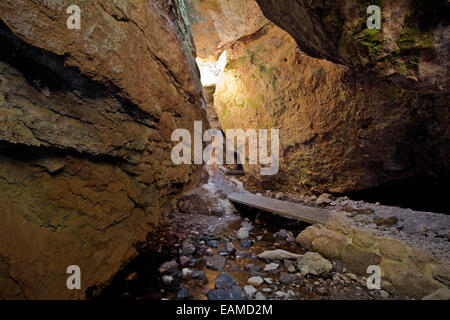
x=233, y=255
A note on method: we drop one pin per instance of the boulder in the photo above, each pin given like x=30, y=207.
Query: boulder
x=314, y=263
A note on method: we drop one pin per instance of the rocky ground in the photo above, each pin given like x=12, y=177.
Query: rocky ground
x=225, y=254
x=428, y=231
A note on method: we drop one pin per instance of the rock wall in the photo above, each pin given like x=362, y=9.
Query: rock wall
x=411, y=48
x=340, y=130
x=404, y=270
x=86, y=118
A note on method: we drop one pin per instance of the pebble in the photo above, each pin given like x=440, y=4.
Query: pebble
x=212, y=243
x=186, y=272
x=278, y=254
x=351, y=276
x=291, y=268
x=132, y=276
x=230, y=247
x=256, y=281
x=167, y=280
x=226, y=294
x=184, y=260
x=281, y=294
x=259, y=296
x=166, y=266
x=286, y=278
x=249, y=290
x=217, y=263
x=225, y=281
x=198, y=274
x=268, y=280
x=242, y=234
x=245, y=244
x=188, y=248
x=282, y=234
x=183, y=293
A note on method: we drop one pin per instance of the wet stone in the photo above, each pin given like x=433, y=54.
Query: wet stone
x=198, y=274
x=188, y=248
x=259, y=296
x=234, y=266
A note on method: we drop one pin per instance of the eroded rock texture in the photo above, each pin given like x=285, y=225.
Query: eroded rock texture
x=85, y=125
x=340, y=130
x=411, y=48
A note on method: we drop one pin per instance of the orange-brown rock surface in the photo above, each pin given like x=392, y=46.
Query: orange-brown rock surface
x=410, y=48
x=86, y=118
x=340, y=131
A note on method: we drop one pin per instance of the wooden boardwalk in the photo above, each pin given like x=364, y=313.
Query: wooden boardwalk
x=283, y=208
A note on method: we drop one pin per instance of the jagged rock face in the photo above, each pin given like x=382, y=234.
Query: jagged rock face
x=340, y=131
x=85, y=125
x=217, y=24
x=411, y=48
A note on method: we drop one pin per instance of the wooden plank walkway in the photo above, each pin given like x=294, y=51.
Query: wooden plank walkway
x=283, y=208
